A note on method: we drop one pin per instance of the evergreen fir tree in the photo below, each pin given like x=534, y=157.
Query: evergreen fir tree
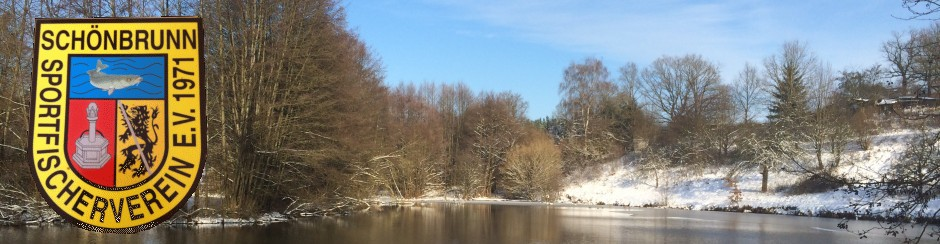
x=788, y=72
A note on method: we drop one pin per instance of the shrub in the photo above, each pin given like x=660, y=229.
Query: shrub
x=816, y=183
x=534, y=170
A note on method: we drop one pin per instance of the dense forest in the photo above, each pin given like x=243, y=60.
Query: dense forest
x=300, y=118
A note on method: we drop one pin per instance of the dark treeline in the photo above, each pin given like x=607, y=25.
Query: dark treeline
x=295, y=101
x=298, y=116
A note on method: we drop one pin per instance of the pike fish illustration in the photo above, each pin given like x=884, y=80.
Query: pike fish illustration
x=108, y=82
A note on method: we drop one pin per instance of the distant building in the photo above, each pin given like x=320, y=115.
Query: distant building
x=891, y=105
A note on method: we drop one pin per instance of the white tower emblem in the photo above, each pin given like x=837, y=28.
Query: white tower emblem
x=91, y=150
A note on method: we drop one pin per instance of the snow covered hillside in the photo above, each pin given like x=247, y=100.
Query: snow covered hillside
x=619, y=183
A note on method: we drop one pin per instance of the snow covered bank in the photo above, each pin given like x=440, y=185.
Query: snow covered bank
x=266, y=218
x=619, y=184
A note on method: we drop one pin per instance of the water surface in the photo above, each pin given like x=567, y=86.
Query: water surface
x=488, y=223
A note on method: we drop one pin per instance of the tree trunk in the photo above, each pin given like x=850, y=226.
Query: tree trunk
x=657, y=181
x=764, y=173
x=818, y=149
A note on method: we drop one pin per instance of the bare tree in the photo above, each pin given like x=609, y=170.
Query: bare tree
x=416, y=163
x=297, y=103
x=685, y=95
x=452, y=105
x=722, y=131
x=496, y=127
x=680, y=88
x=19, y=200
x=771, y=149
x=15, y=59
x=864, y=83
x=749, y=93
x=585, y=88
x=749, y=96
x=926, y=52
x=629, y=80
x=921, y=9
x=900, y=54
x=825, y=123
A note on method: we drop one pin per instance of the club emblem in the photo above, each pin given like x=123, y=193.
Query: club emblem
x=117, y=137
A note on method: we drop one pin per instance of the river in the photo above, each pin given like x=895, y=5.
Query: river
x=474, y=222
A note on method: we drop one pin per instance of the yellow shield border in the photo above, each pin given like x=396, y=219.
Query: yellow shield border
x=156, y=200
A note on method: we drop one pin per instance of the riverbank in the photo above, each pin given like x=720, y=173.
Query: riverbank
x=266, y=218
x=622, y=184
x=619, y=183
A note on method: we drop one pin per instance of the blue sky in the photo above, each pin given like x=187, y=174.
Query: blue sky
x=524, y=45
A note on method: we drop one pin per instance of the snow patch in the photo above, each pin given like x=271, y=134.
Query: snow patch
x=621, y=184
x=271, y=217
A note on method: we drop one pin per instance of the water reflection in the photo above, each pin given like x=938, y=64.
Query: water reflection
x=486, y=223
